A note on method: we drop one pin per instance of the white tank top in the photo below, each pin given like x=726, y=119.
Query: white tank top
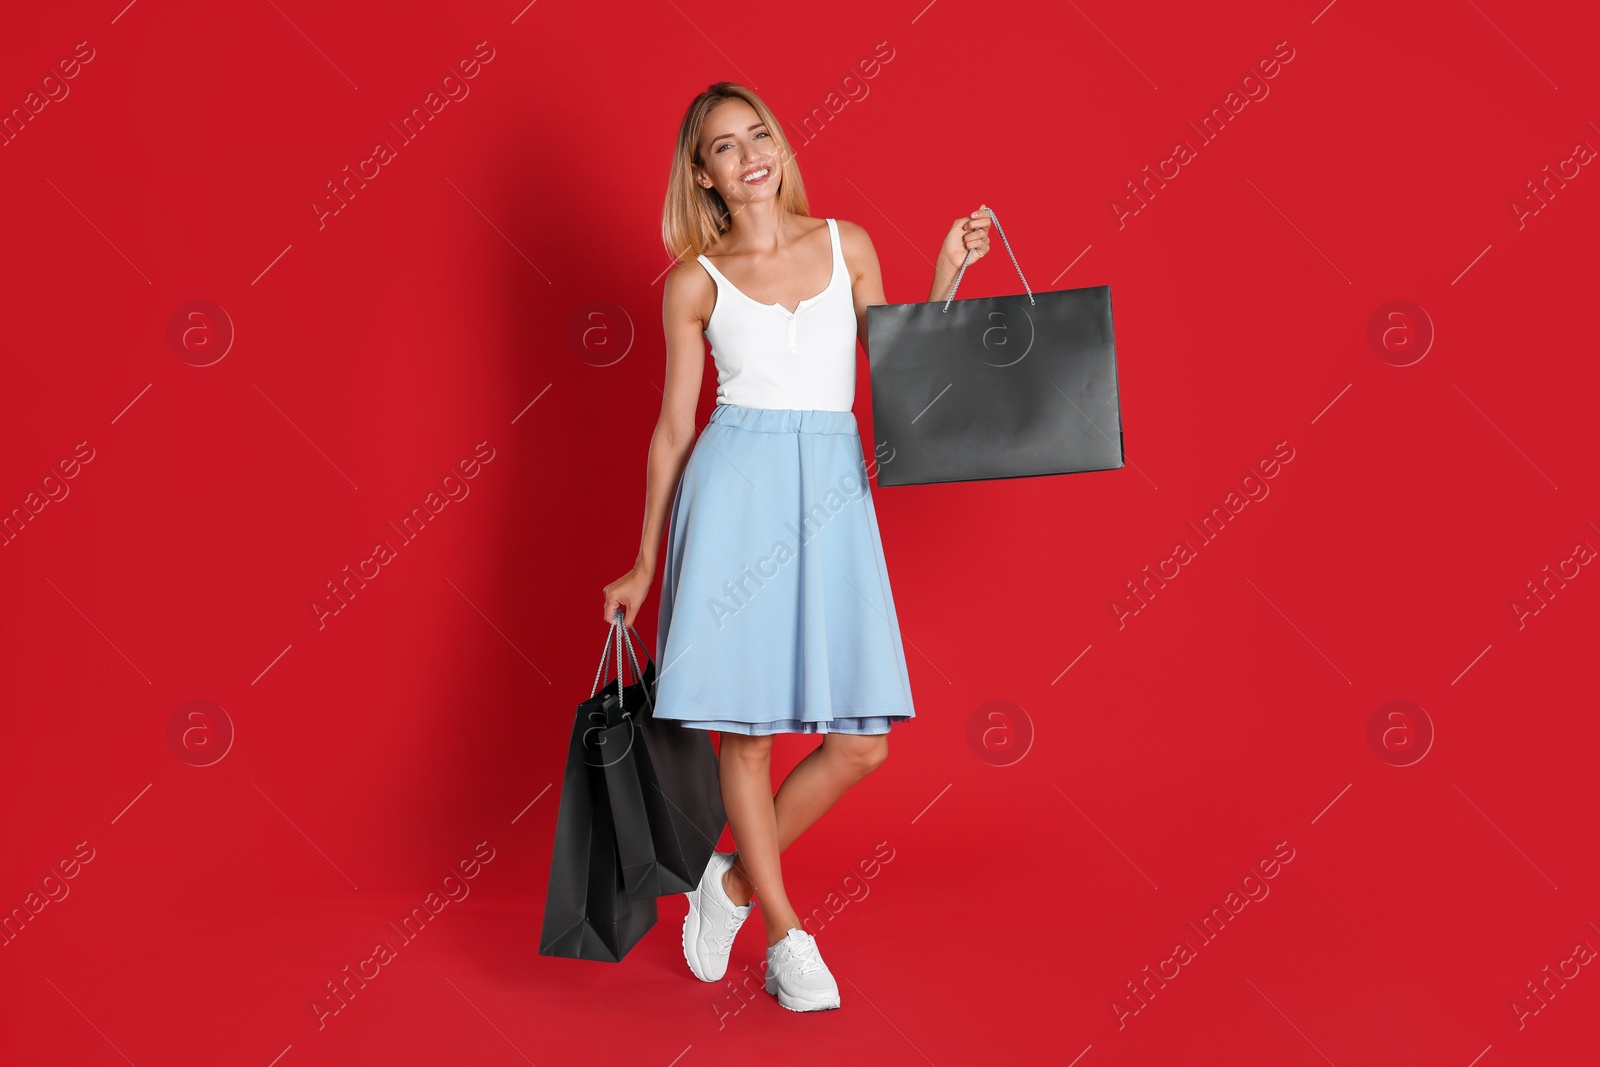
x=770, y=357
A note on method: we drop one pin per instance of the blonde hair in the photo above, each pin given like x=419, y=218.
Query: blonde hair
x=694, y=217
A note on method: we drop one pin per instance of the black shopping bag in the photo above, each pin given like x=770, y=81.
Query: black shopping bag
x=588, y=911
x=665, y=791
x=688, y=780
x=995, y=387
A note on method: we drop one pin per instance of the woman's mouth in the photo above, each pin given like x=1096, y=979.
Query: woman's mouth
x=757, y=176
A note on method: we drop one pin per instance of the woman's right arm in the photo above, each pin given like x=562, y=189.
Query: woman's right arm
x=687, y=292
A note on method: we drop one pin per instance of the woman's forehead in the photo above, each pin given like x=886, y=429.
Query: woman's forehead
x=730, y=118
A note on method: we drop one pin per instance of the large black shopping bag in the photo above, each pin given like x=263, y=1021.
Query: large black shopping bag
x=995, y=387
x=588, y=912
x=653, y=802
x=665, y=791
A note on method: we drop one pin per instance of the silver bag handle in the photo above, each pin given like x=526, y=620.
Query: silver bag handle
x=616, y=633
x=1010, y=253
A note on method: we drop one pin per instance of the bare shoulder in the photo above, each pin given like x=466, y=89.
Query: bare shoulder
x=854, y=242
x=688, y=292
x=851, y=233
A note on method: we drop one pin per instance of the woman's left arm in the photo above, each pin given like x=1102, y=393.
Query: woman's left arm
x=866, y=277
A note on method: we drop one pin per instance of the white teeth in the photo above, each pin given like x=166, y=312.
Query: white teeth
x=754, y=175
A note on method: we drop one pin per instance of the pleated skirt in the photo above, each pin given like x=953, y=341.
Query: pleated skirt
x=776, y=613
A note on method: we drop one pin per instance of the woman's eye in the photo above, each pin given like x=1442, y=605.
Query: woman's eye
x=729, y=144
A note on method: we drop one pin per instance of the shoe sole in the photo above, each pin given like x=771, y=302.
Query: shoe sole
x=796, y=1004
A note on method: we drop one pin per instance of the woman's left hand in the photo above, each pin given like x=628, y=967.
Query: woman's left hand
x=968, y=233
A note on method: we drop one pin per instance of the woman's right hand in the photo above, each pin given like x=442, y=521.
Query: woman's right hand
x=627, y=592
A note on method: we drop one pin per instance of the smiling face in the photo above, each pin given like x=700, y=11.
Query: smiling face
x=740, y=157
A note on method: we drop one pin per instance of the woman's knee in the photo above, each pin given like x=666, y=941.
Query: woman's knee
x=861, y=753
x=747, y=748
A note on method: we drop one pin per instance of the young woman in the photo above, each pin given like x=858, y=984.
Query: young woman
x=776, y=613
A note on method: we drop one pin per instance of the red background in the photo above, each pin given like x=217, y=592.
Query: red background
x=437, y=310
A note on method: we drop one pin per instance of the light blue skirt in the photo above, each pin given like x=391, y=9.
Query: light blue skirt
x=776, y=614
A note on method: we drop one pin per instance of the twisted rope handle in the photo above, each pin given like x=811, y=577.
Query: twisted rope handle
x=968, y=257
x=638, y=674
x=604, y=658
x=616, y=633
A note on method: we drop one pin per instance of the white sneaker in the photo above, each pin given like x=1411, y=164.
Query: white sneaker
x=796, y=973
x=711, y=921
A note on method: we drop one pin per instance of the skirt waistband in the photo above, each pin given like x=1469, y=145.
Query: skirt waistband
x=785, y=420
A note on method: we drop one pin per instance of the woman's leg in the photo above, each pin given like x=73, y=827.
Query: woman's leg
x=745, y=767
x=811, y=788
